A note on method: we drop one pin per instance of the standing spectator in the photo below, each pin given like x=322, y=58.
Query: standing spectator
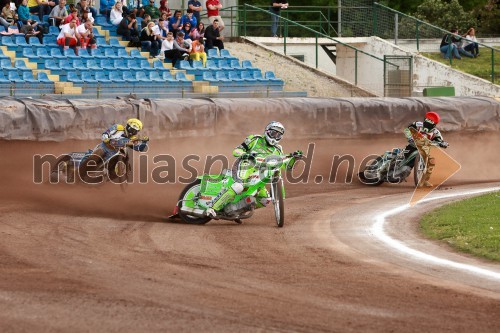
x=86, y=35
x=175, y=22
x=169, y=50
x=196, y=7
x=128, y=27
x=8, y=16
x=213, y=37
x=471, y=44
x=276, y=7
x=116, y=14
x=58, y=14
x=84, y=6
x=40, y=7
x=165, y=9
x=149, y=40
x=198, y=51
x=189, y=18
x=213, y=7
x=151, y=10
x=198, y=32
x=68, y=36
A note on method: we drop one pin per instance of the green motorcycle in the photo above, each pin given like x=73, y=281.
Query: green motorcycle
x=253, y=172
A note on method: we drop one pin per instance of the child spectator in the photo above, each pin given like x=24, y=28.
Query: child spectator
x=198, y=51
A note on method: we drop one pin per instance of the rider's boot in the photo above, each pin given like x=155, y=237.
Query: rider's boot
x=224, y=199
x=430, y=168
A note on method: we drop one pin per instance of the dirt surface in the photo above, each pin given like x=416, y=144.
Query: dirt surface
x=92, y=258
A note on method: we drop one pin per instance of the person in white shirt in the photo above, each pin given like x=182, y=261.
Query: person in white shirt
x=69, y=36
x=116, y=15
x=172, y=50
x=86, y=35
x=470, y=42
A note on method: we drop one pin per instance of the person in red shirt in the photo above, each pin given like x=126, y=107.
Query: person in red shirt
x=213, y=7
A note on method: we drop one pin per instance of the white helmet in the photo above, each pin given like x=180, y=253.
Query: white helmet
x=274, y=132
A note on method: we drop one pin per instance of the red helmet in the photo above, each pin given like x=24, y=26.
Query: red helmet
x=432, y=116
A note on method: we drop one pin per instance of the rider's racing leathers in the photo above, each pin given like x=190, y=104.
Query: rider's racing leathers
x=116, y=131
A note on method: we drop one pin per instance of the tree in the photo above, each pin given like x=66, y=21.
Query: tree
x=445, y=15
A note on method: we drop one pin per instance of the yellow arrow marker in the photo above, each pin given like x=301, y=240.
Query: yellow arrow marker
x=439, y=167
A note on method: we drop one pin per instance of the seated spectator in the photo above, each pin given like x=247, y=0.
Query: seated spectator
x=149, y=41
x=198, y=51
x=448, y=46
x=213, y=37
x=68, y=36
x=182, y=45
x=175, y=22
x=470, y=44
x=86, y=17
x=187, y=31
x=23, y=13
x=40, y=7
x=163, y=26
x=151, y=10
x=73, y=15
x=198, y=32
x=8, y=16
x=169, y=49
x=165, y=9
x=145, y=20
x=116, y=14
x=86, y=35
x=83, y=6
x=31, y=31
x=128, y=27
x=189, y=18
x=458, y=41
x=58, y=14
x=105, y=7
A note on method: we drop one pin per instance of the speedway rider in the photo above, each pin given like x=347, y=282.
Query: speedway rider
x=428, y=129
x=105, y=150
x=262, y=145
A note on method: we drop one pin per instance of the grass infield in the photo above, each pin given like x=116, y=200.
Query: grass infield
x=480, y=66
x=471, y=226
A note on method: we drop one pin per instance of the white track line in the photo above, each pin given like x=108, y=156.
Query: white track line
x=378, y=230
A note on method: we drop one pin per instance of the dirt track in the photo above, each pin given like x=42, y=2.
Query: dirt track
x=74, y=258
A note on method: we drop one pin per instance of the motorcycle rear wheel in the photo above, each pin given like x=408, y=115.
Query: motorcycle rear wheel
x=188, y=193
x=278, y=203
x=63, y=164
x=371, y=181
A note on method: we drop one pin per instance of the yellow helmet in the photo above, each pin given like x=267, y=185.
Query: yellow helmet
x=133, y=126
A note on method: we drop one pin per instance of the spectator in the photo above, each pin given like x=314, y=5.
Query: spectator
x=189, y=18
x=213, y=37
x=151, y=10
x=276, y=7
x=8, y=16
x=128, y=27
x=83, y=6
x=162, y=27
x=58, y=14
x=198, y=51
x=68, y=36
x=149, y=40
x=145, y=21
x=165, y=9
x=448, y=46
x=471, y=44
x=116, y=14
x=23, y=13
x=181, y=45
x=187, y=30
x=198, y=32
x=30, y=31
x=458, y=41
x=175, y=22
x=86, y=35
x=72, y=15
x=169, y=50
x=196, y=7
x=213, y=7
x=40, y=7
x=86, y=17
x=105, y=7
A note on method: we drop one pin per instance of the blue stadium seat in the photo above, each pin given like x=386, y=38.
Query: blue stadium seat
x=221, y=76
x=167, y=76
x=2, y=28
x=226, y=55
x=78, y=64
x=247, y=76
x=235, y=77
x=87, y=77
x=52, y=65
x=155, y=77
x=109, y=53
x=43, y=53
x=66, y=64
x=145, y=66
x=42, y=77
x=120, y=64
x=133, y=64
x=258, y=76
x=92, y=64
x=107, y=64
x=56, y=53
x=129, y=76
x=116, y=76
x=50, y=41
x=21, y=65
x=212, y=65
x=122, y=53
x=14, y=77
x=158, y=65
x=141, y=77
x=7, y=41
x=247, y=65
x=28, y=77
x=98, y=53
x=34, y=42
x=95, y=31
x=136, y=54
x=73, y=77
x=70, y=53
x=235, y=65
x=2, y=55
x=223, y=64
x=3, y=79
x=207, y=76
x=212, y=53
x=183, y=64
x=115, y=43
x=83, y=53
x=28, y=53
x=46, y=18
x=6, y=64
x=181, y=77
x=53, y=30
x=101, y=43
x=102, y=77
x=198, y=65
x=271, y=77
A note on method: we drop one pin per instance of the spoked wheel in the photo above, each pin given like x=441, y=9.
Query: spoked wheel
x=366, y=176
x=187, y=196
x=118, y=170
x=418, y=169
x=278, y=202
x=63, y=169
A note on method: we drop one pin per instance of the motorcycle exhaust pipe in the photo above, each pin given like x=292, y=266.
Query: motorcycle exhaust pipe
x=193, y=212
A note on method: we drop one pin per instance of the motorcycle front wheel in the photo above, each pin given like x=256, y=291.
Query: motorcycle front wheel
x=278, y=203
x=190, y=192
x=418, y=169
x=63, y=168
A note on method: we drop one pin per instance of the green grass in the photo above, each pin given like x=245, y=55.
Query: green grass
x=471, y=226
x=480, y=66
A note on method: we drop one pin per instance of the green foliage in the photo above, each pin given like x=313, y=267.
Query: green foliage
x=488, y=18
x=471, y=226
x=446, y=15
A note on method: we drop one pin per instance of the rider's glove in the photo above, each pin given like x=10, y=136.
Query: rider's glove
x=145, y=138
x=444, y=144
x=298, y=155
